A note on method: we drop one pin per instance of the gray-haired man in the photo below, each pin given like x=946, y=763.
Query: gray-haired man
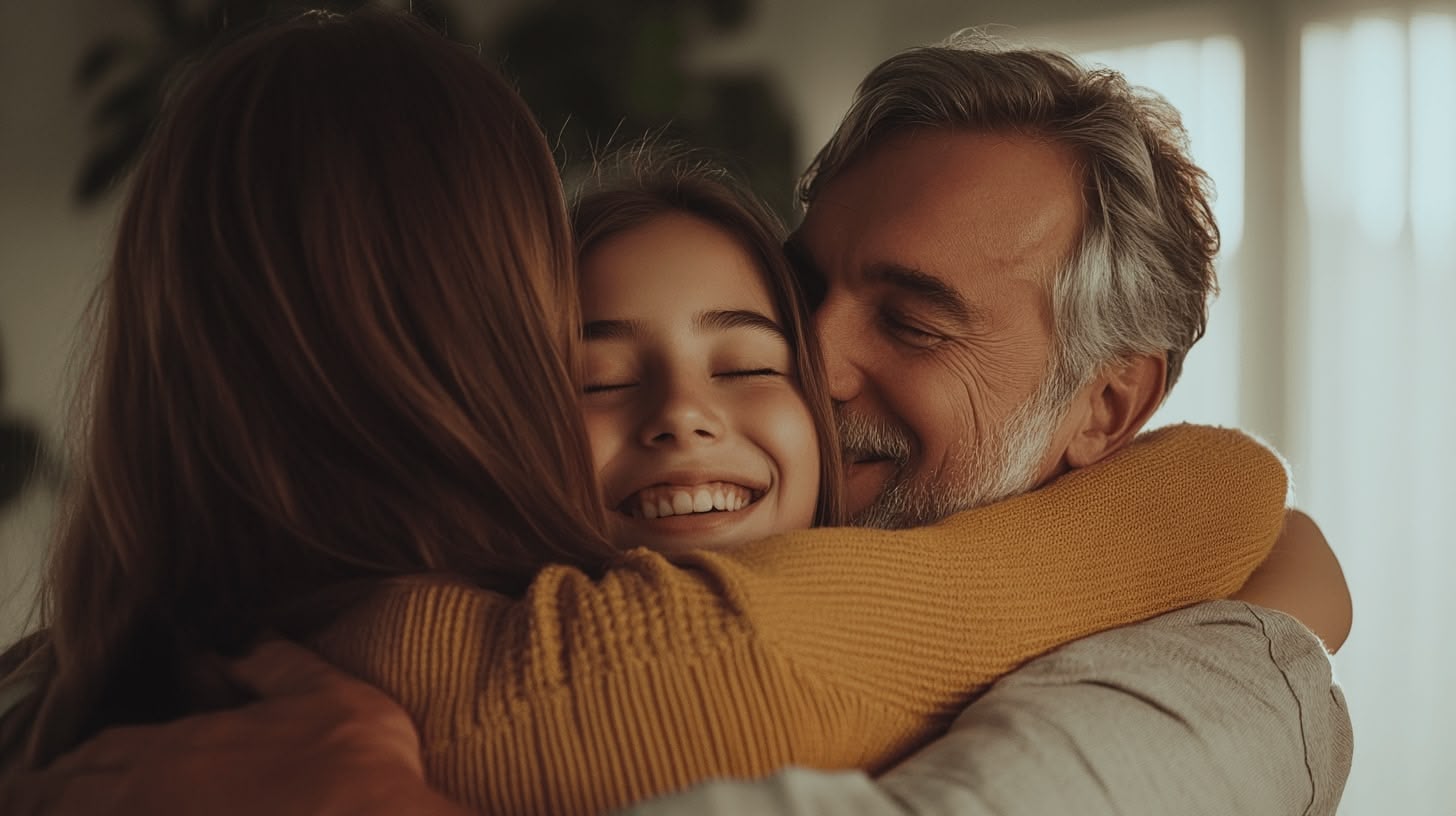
x=1013, y=255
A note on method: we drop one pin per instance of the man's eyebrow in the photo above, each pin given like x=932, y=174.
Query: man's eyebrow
x=933, y=290
x=611, y=330
x=725, y=319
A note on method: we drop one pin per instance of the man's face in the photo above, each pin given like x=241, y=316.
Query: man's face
x=936, y=252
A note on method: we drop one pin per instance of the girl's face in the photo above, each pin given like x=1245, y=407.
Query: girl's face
x=700, y=436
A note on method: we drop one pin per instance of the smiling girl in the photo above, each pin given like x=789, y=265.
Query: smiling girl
x=705, y=404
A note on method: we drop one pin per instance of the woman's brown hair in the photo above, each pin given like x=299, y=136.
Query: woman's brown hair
x=643, y=181
x=336, y=346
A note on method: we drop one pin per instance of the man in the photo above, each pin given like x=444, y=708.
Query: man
x=1011, y=258
x=1022, y=254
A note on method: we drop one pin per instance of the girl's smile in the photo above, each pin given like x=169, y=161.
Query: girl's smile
x=681, y=496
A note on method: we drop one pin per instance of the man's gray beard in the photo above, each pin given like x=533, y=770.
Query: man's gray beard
x=1001, y=466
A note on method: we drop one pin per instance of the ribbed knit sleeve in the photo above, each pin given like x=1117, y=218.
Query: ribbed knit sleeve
x=824, y=648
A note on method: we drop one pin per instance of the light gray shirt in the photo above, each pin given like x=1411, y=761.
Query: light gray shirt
x=1221, y=708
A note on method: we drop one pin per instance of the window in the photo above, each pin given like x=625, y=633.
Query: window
x=1203, y=79
x=1376, y=390
x=1362, y=138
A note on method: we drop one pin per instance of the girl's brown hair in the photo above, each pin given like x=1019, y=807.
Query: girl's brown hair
x=336, y=346
x=643, y=181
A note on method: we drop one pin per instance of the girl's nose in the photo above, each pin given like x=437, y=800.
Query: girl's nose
x=684, y=416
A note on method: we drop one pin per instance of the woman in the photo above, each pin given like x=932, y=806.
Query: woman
x=336, y=396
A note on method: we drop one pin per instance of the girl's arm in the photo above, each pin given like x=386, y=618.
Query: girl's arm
x=1302, y=578
x=825, y=648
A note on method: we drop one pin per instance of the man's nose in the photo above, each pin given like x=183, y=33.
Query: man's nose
x=684, y=415
x=840, y=346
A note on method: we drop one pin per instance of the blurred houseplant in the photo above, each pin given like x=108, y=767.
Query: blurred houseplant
x=24, y=458
x=595, y=73
x=128, y=75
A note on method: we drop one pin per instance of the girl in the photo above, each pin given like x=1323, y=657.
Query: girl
x=336, y=396
x=705, y=401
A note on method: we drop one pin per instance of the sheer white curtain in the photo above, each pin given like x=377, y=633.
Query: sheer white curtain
x=1373, y=414
x=1367, y=275
x=1204, y=79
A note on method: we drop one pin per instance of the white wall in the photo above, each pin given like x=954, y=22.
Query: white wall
x=51, y=252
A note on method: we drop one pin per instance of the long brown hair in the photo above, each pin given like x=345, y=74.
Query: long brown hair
x=337, y=346
x=644, y=180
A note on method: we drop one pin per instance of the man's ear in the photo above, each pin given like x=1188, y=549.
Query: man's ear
x=1120, y=401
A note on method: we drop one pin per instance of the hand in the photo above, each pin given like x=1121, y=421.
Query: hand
x=318, y=742
x=1302, y=578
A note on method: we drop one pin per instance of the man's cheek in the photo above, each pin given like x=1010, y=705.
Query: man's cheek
x=947, y=412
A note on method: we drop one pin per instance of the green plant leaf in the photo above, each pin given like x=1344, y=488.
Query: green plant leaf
x=136, y=98
x=99, y=59
x=20, y=458
x=110, y=161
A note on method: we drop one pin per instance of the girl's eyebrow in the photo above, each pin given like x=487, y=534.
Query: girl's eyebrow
x=711, y=320
x=611, y=329
x=725, y=319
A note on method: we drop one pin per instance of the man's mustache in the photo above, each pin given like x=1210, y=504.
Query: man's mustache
x=863, y=437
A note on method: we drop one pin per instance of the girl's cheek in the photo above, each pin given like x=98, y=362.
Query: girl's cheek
x=791, y=440
x=605, y=434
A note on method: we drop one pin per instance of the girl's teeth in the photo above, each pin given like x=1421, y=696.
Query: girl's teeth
x=682, y=504
x=702, y=501
x=661, y=502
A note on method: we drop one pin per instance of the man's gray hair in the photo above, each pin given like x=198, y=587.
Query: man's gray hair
x=1141, y=279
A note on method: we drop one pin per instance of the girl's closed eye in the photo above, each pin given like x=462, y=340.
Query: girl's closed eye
x=607, y=381
x=756, y=352
x=748, y=373
x=610, y=366
x=607, y=387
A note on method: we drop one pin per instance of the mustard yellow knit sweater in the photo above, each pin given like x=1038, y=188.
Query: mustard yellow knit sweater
x=830, y=648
